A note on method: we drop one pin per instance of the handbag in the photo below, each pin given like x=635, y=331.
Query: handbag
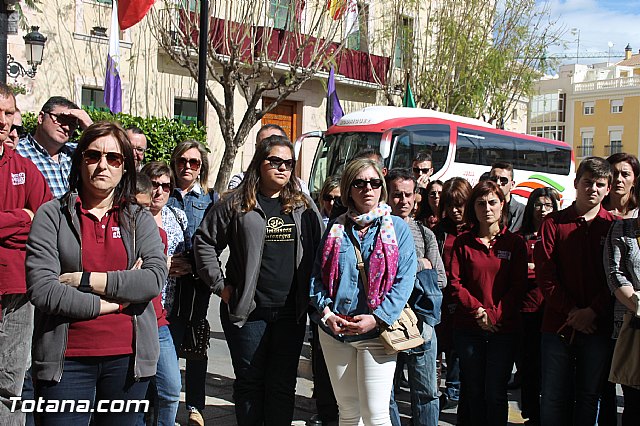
x=404, y=333
x=625, y=366
x=195, y=343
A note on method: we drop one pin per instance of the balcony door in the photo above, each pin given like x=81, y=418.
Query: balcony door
x=284, y=115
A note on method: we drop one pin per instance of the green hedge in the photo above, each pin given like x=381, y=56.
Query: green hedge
x=162, y=133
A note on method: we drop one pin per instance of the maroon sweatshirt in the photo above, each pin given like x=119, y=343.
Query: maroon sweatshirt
x=570, y=270
x=493, y=278
x=23, y=187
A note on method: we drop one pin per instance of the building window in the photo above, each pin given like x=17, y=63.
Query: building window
x=586, y=149
x=588, y=108
x=616, y=106
x=404, y=41
x=279, y=13
x=93, y=99
x=550, y=132
x=185, y=111
x=359, y=40
x=615, y=141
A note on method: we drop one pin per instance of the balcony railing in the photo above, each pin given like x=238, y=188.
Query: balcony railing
x=614, y=148
x=612, y=83
x=584, y=151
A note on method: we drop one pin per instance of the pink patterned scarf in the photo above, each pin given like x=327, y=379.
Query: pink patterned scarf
x=383, y=263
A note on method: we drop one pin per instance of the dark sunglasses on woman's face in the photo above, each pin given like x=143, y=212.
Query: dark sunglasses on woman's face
x=194, y=163
x=93, y=156
x=361, y=183
x=499, y=180
x=277, y=162
x=327, y=197
x=166, y=187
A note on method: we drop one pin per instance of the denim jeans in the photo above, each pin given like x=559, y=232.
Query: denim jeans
x=264, y=352
x=195, y=375
x=165, y=386
x=572, y=378
x=486, y=360
x=94, y=379
x=423, y=383
x=16, y=328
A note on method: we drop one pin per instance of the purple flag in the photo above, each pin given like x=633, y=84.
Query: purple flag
x=334, y=110
x=112, y=85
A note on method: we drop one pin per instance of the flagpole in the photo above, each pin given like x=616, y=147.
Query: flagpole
x=202, y=59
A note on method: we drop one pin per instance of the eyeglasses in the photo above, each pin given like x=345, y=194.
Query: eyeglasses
x=93, y=156
x=435, y=194
x=64, y=120
x=543, y=206
x=499, y=180
x=139, y=149
x=277, y=162
x=327, y=197
x=166, y=186
x=421, y=171
x=361, y=183
x=18, y=128
x=194, y=163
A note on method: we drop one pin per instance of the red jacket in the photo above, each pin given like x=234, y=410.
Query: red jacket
x=494, y=279
x=23, y=187
x=570, y=270
x=533, y=298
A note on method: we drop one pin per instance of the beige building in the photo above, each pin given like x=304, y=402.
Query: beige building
x=594, y=108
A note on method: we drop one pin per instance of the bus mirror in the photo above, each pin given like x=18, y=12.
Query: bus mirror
x=385, y=143
x=298, y=143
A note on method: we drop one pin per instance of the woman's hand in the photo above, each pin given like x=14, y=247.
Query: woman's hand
x=484, y=322
x=226, y=293
x=111, y=307
x=71, y=279
x=179, y=265
x=361, y=324
x=426, y=263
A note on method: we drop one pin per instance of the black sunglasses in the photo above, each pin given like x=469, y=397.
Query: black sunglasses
x=327, y=197
x=277, y=162
x=420, y=170
x=93, y=156
x=64, y=120
x=499, y=179
x=19, y=129
x=166, y=187
x=361, y=183
x=194, y=163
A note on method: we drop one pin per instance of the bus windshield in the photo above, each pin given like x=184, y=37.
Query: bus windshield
x=334, y=151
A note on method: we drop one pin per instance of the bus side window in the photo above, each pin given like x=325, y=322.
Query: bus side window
x=468, y=149
x=531, y=156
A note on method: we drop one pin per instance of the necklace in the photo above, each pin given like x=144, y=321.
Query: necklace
x=362, y=232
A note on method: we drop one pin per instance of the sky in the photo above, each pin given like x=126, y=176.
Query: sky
x=599, y=22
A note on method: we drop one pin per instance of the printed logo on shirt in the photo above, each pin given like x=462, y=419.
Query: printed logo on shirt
x=503, y=254
x=115, y=230
x=18, y=178
x=277, y=230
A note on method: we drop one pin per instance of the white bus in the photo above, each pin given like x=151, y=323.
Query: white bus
x=459, y=146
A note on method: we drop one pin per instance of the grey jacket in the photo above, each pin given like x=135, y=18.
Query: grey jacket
x=243, y=233
x=53, y=248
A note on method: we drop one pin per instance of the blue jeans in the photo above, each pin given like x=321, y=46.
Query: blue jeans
x=94, y=379
x=572, y=378
x=264, y=352
x=195, y=375
x=485, y=367
x=423, y=383
x=16, y=328
x=166, y=384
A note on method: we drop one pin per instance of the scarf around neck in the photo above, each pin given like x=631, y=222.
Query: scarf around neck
x=383, y=262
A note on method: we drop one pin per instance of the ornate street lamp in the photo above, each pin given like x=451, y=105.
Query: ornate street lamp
x=34, y=50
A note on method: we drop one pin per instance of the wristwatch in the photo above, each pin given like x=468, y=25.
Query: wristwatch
x=85, y=285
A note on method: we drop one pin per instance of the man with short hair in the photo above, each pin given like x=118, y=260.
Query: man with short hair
x=139, y=144
x=24, y=191
x=421, y=361
x=578, y=316
x=16, y=130
x=502, y=174
x=422, y=167
x=48, y=147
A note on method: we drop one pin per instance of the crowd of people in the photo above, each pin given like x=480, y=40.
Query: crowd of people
x=109, y=264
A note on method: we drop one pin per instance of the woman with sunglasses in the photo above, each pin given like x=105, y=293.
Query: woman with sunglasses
x=487, y=274
x=350, y=311
x=428, y=211
x=329, y=193
x=542, y=201
x=95, y=261
x=192, y=195
x=272, y=231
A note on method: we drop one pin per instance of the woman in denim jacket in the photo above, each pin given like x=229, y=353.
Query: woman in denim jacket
x=361, y=371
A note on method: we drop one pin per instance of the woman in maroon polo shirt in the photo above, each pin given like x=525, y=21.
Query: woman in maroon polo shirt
x=542, y=201
x=488, y=274
x=94, y=262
